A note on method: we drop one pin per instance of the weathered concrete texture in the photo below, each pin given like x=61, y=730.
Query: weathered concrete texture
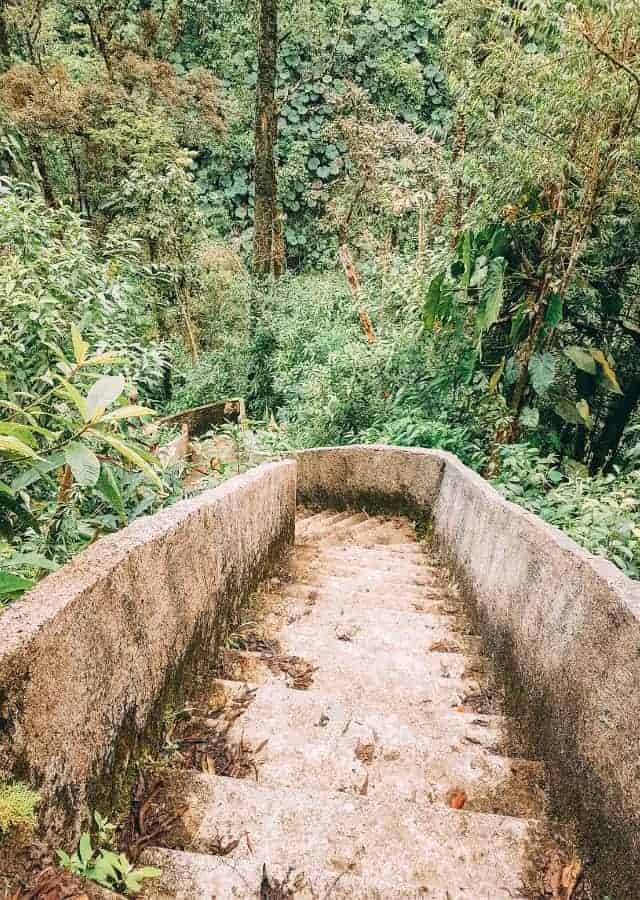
x=201, y=418
x=562, y=625
x=88, y=659
x=373, y=476
x=356, y=771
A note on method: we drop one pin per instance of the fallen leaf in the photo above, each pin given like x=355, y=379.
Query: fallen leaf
x=456, y=798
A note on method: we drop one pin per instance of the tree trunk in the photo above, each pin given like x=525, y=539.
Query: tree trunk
x=621, y=411
x=266, y=255
x=37, y=155
x=5, y=50
x=351, y=274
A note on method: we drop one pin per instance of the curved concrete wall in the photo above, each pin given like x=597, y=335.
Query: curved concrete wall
x=563, y=626
x=89, y=658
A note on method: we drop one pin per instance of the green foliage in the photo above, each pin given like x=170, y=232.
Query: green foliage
x=106, y=868
x=601, y=513
x=60, y=449
x=17, y=807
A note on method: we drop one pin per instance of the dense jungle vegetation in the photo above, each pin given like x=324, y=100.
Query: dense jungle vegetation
x=446, y=250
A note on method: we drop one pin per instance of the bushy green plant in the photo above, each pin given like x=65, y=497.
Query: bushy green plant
x=106, y=868
x=18, y=804
x=600, y=513
x=65, y=457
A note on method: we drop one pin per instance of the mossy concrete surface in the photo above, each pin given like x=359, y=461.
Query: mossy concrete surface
x=89, y=658
x=562, y=625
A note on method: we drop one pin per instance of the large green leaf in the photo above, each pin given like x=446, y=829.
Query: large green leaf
x=35, y=560
x=85, y=465
x=102, y=394
x=438, y=301
x=582, y=358
x=553, y=312
x=542, y=370
x=492, y=295
x=37, y=471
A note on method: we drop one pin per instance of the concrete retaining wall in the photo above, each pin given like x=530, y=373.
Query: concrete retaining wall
x=89, y=658
x=200, y=419
x=562, y=625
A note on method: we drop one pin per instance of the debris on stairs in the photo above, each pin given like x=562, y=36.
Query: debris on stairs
x=361, y=750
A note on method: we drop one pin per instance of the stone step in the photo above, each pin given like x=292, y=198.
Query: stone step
x=323, y=523
x=319, y=527
x=324, y=745
x=342, y=847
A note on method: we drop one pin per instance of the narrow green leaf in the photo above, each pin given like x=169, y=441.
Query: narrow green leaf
x=128, y=412
x=80, y=347
x=130, y=454
x=71, y=392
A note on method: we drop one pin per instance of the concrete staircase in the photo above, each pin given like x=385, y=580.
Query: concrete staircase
x=382, y=775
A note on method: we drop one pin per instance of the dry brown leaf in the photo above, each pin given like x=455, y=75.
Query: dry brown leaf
x=364, y=752
x=456, y=798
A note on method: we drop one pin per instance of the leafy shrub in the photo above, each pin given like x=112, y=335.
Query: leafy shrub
x=600, y=513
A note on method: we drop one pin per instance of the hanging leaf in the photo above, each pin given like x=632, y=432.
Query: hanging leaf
x=466, y=260
x=585, y=414
x=494, y=381
x=110, y=490
x=84, y=464
x=511, y=371
x=542, y=370
x=492, y=295
x=102, y=394
x=80, y=347
x=438, y=301
x=581, y=358
x=553, y=313
x=479, y=272
x=128, y=453
x=607, y=373
x=567, y=411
